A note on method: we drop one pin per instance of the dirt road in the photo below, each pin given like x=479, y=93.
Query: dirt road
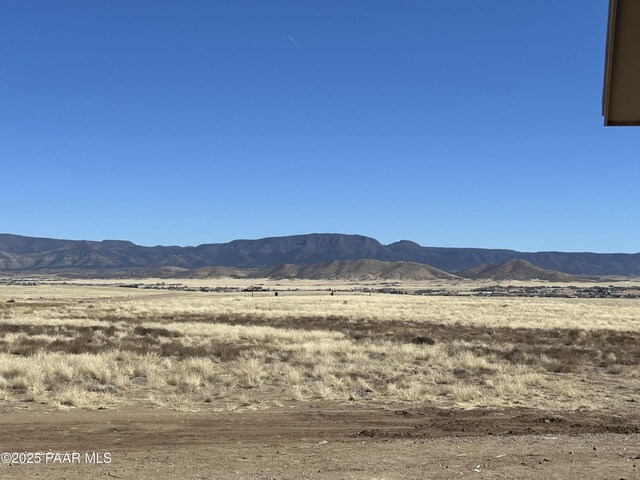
x=323, y=442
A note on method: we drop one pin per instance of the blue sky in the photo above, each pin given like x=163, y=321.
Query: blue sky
x=448, y=123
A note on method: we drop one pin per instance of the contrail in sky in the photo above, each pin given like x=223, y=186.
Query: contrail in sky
x=295, y=43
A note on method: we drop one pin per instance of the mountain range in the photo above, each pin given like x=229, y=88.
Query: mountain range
x=30, y=254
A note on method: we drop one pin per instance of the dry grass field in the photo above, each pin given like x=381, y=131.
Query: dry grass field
x=102, y=347
x=202, y=385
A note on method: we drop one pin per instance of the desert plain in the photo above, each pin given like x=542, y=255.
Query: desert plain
x=226, y=379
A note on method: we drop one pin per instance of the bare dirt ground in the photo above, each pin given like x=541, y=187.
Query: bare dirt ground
x=327, y=441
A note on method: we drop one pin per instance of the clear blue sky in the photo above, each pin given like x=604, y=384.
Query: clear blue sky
x=459, y=123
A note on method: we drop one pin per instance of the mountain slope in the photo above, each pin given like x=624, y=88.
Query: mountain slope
x=474, y=271
x=367, y=269
x=516, y=270
x=18, y=253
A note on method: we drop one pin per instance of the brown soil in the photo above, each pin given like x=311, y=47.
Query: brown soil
x=328, y=441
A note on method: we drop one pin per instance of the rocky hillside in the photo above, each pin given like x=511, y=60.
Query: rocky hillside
x=363, y=270
x=516, y=270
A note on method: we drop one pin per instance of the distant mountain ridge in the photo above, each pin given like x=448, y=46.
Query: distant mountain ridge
x=25, y=254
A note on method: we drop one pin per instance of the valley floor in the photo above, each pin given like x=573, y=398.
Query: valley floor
x=249, y=385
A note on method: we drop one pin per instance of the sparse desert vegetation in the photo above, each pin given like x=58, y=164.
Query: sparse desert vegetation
x=100, y=347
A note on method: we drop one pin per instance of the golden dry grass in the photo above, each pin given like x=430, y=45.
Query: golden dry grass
x=94, y=347
x=87, y=303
